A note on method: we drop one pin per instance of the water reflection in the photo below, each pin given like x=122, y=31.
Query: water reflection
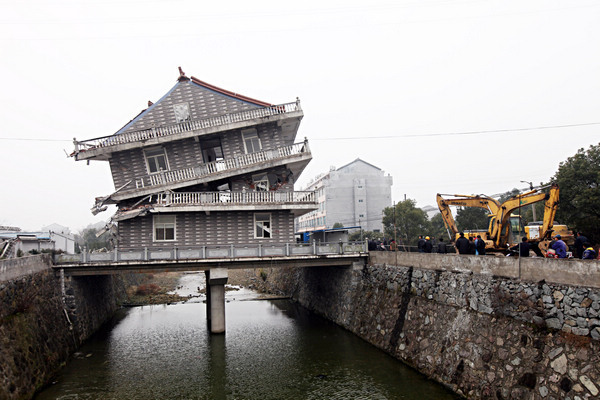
x=271, y=350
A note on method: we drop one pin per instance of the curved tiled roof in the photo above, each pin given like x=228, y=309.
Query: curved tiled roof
x=204, y=101
x=229, y=93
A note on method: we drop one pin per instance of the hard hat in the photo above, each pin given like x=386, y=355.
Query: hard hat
x=427, y=238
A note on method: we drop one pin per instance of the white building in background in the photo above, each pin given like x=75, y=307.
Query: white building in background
x=13, y=240
x=353, y=195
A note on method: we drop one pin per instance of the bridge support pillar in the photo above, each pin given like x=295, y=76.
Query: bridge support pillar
x=216, y=278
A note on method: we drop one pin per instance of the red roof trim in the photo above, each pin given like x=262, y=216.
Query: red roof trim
x=228, y=93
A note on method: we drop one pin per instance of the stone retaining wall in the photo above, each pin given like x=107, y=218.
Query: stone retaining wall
x=483, y=335
x=38, y=330
x=14, y=268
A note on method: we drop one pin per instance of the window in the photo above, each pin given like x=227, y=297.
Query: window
x=262, y=226
x=156, y=159
x=361, y=215
x=261, y=183
x=251, y=141
x=164, y=228
x=360, y=200
x=211, y=149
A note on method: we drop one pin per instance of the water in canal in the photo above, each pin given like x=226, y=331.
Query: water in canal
x=272, y=350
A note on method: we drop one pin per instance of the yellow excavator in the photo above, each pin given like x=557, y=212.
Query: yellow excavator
x=464, y=200
x=499, y=234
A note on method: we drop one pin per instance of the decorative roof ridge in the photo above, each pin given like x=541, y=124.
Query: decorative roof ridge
x=229, y=93
x=359, y=159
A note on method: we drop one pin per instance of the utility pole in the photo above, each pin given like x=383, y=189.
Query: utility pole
x=360, y=226
x=395, y=236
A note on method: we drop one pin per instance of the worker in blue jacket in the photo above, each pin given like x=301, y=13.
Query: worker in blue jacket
x=559, y=247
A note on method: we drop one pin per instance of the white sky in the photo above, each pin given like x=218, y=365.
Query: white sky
x=378, y=80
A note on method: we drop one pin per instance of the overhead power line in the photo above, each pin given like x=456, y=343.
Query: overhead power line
x=408, y=135
x=419, y=135
x=36, y=139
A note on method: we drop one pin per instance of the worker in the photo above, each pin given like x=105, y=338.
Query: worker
x=441, y=248
x=480, y=246
x=589, y=253
x=462, y=244
x=580, y=244
x=523, y=247
x=420, y=244
x=472, y=249
x=559, y=247
x=427, y=246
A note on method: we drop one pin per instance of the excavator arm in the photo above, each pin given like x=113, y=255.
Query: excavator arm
x=500, y=230
x=550, y=208
x=463, y=200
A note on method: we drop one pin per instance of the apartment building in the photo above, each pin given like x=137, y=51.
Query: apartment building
x=352, y=195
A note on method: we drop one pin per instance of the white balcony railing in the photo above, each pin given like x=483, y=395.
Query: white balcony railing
x=230, y=164
x=183, y=127
x=149, y=255
x=250, y=197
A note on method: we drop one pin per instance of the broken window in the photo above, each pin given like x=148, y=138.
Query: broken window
x=164, y=228
x=262, y=226
x=156, y=159
x=261, y=183
x=251, y=141
x=211, y=149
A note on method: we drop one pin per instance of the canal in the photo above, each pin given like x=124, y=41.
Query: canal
x=273, y=349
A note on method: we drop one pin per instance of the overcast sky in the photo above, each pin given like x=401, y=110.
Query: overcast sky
x=446, y=96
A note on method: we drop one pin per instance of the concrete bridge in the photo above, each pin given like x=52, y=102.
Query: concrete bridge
x=215, y=261
x=480, y=324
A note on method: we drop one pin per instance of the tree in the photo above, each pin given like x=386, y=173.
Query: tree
x=338, y=225
x=507, y=195
x=410, y=222
x=438, y=229
x=578, y=179
x=87, y=238
x=363, y=235
x=471, y=218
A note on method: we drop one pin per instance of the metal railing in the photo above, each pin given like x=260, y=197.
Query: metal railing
x=214, y=252
x=245, y=160
x=183, y=127
x=250, y=197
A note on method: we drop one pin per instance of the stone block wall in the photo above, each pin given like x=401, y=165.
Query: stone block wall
x=13, y=268
x=484, y=336
x=38, y=330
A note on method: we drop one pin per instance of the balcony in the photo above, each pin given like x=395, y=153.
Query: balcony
x=101, y=148
x=299, y=202
x=295, y=157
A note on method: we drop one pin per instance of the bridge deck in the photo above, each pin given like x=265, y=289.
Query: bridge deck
x=207, y=257
x=117, y=267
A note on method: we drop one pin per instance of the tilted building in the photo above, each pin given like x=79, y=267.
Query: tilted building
x=204, y=166
x=353, y=195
